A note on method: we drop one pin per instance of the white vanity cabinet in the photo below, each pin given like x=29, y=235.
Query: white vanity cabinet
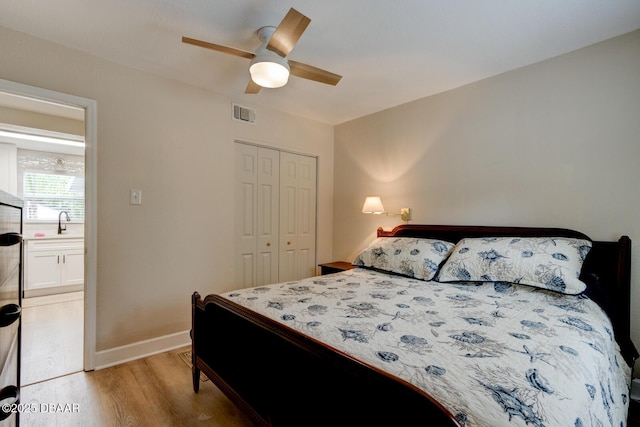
x=53, y=266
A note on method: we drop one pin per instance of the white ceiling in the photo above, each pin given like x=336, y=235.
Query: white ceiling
x=388, y=52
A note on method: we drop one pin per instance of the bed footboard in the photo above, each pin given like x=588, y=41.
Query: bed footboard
x=280, y=377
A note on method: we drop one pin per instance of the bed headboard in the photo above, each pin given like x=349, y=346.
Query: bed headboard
x=606, y=270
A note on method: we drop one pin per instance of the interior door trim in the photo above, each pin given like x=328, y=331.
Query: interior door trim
x=91, y=201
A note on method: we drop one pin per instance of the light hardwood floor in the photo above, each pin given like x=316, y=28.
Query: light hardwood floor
x=52, y=336
x=154, y=391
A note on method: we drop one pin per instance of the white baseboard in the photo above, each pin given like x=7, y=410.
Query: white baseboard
x=140, y=349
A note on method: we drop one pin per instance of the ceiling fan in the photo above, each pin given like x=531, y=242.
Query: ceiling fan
x=269, y=66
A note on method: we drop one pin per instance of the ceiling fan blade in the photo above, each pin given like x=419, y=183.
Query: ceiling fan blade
x=310, y=72
x=252, y=87
x=288, y=32
x=219, y=48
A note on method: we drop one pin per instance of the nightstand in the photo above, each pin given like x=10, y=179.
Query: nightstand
x=335, y=267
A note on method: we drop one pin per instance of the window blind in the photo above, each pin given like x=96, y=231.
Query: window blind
x=47, y=194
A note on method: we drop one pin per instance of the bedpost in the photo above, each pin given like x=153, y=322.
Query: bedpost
x=623, y=273
x=195, y=371
x=624, y=276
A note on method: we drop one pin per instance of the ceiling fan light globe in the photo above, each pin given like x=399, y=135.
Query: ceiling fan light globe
x=269, y=74
x=268, y=69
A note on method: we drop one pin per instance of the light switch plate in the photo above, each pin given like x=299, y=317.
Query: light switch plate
x=136, y=197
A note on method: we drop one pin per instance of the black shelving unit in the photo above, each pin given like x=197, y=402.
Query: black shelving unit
x=10, y=306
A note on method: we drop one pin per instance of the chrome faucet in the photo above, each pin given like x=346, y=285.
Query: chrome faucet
x=60, y=228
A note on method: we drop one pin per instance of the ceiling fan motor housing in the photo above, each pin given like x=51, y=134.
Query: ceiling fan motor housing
x=267, y=68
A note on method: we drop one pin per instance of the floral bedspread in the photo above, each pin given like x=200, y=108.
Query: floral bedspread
x=494, y=354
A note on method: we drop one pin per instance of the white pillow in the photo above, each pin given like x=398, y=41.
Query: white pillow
x=409, y=256
x=552, y=263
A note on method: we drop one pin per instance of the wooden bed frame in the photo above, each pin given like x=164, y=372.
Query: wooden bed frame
x=279, y=377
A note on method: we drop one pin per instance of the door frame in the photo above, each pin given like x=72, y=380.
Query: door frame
x=91, y=201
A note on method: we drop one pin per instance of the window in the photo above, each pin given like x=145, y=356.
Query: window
x=46, y=194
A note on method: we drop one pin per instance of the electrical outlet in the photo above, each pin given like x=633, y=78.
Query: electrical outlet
x=136, y=197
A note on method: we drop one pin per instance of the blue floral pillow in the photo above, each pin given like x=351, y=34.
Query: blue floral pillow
x=409, y=256
x=552, y=263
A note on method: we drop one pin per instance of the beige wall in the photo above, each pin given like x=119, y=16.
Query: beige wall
x=555, y=143
x=175, y=143
x=41, y=121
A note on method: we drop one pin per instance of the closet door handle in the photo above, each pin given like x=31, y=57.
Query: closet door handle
x=9, y=392
x=268, y=243
x=10, y=239
x=9, y=314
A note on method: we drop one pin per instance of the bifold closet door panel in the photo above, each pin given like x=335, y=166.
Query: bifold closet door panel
x=297, y=216
x=256, y=215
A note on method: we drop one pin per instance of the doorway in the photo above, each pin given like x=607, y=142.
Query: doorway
x=51, y=99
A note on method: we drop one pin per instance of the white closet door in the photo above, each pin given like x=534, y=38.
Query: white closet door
x=306, y=217
x=256, y=219
x=267, y=217
x=297, y=216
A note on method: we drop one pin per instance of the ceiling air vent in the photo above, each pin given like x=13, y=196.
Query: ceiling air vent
x=243, y=114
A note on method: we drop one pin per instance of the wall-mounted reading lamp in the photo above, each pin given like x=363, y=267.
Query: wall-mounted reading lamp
x=373, y=205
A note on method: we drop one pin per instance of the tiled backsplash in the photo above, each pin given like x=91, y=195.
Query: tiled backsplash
x=46, y=161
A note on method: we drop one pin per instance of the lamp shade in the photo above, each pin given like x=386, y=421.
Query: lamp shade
x=269, y=70
x=373, y=205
